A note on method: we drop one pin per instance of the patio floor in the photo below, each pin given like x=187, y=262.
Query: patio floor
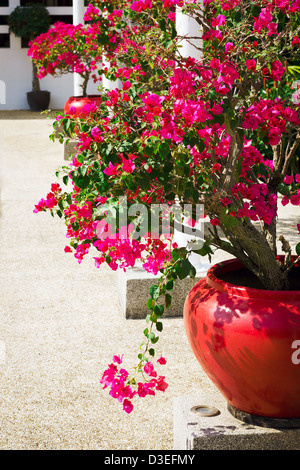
x=61, y=322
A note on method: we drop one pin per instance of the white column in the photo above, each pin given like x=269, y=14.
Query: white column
x=108, y=84
x=188, y=27
x=78, y=14
x=15, y=42
x=13, y=4
x=78, y=11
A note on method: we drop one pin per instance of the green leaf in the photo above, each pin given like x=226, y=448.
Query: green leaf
x=178, y=253
x=297, y=248
x=154, y=291
x=193, y=271
x=146, y=332
x=184, y=268
x=81, y=181
x=151, y=336
x=170, y=285
x=148, y=318
x=65, y=179
x=159, y=326
x=150, y=304
x=168, y=300
x=204, y=250
x=159, y=310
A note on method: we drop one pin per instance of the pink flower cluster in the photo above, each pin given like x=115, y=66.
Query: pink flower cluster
x=50, y=201
x=120, y=383
x=272, y=116
x=293, y=198
x=66, y=48
x=261, y=205
x=140, y=5
x=264, y=20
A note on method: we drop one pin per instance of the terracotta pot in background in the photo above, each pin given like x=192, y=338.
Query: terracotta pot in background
x=78, y=102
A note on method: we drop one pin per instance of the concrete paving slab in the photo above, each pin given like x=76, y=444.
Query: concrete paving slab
x=194, y=430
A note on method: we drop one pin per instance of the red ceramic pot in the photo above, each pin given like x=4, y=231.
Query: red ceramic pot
x=248, y=342
x=78, y=102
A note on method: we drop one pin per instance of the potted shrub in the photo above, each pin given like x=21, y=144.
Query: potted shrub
x=221, y=131
x=28, y=22
x=68, y=48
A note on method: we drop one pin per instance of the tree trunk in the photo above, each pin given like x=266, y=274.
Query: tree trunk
x=250, y=246
x=35, y=80
x=255, y=252
x=85, y=84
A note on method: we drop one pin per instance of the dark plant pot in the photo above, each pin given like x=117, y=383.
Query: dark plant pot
x=38, y=100
x=76, y=104
x=247, y=340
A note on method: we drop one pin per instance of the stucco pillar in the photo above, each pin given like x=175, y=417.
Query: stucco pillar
x=188, y=28
x=13, y=4
x=108, y=84
x=78, y=14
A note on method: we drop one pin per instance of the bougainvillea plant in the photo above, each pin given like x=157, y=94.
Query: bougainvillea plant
x=28, y=22
x=220, y=129
x=67, y=48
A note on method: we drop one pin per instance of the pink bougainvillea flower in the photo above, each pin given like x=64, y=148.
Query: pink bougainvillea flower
x=126, y=85
x=288, y=179
x=285, y=200
x=149, y=369
x=295, y=199
x=111, y=170
x=274, y=136
x=127, y=406
x=214, y=222
x=40, y=206
x=118, y=359
x=220, y=20
x=161, y=385
x=161, y=360
x=277, y=70
x=272, y=27
x=251, y=64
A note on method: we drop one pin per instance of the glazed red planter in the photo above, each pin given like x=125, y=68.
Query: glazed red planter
x=78, y=102
x=245, y=340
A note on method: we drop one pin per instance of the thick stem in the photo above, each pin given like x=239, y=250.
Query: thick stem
x=291, y=154
x=255, y=251
x=250, y=246
x=35, y=80
x=235, y=150
x=84, y=85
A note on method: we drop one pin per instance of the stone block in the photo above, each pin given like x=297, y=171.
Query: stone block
x=69, y=148
x=133, y=291
x=194, y=430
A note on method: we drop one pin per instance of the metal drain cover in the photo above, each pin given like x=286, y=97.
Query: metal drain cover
x=205, y=410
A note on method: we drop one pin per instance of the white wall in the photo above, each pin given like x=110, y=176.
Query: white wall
x=16, y=72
